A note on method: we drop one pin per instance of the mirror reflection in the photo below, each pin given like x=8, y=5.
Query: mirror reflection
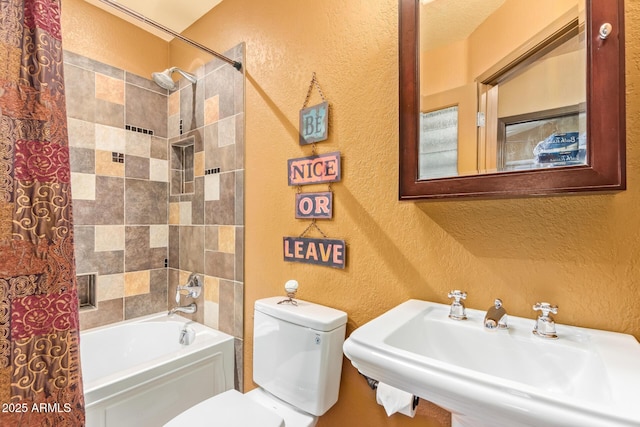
x=502, y=86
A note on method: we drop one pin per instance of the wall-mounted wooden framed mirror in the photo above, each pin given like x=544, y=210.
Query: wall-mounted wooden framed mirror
x=539, y=109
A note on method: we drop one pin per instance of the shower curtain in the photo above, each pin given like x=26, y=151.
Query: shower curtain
x=40, y=378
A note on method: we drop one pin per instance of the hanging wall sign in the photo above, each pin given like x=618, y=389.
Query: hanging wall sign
x=314, y=123
x=314, y=169
x=314, y=205
x=326, y=252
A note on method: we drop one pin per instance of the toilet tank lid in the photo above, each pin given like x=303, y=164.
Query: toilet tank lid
x=308, y=314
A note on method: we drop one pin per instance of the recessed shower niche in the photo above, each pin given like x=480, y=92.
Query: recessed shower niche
x=182, y=166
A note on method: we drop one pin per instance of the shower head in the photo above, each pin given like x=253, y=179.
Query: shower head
x=165, y=81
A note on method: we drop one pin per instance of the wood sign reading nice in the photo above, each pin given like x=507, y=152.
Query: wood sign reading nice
x=321, y=168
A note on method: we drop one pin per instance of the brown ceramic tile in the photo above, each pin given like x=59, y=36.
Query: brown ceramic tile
x=82, y=134
x=105, y=166
x=174, y=103
x=212, y=110
x=239, y=353
x=108, y=208
x=137, y=283
x=211, y=289
x=239, y=254
x=138, y=254
x=240, y=143
x=110, y=114
x=220, y=82
x=192, y=248
x=219, y=264
x=227, y=239
x=211, y=237
x=192, y=106
x=142, y=305
x=108, y=312
x=198, y=164
x=239, y=197
x=109, y=262
x=109, y=89
x=80, y=91
x=226, y=314
x=159, y=148
x=82, y=160
x=222, y=211
x=136, y=167
x=238, y=316
x=215, y=156
x=146, y=202
x=146, y=109
x=159, y=280
x=197, y=205
x=108, y=70
x=84, y=237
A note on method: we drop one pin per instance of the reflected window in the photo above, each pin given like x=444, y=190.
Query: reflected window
x=438, y=151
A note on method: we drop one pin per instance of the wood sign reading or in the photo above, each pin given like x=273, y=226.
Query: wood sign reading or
x=314, y=205
x=326, y=252
x=314, y=169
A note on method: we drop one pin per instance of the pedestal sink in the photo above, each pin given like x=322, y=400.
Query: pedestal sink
x=506, y=377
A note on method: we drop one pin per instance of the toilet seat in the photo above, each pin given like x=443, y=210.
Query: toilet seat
x=228, y=409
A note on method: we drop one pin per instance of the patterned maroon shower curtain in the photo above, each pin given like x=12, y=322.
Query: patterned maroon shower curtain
x=40, y=377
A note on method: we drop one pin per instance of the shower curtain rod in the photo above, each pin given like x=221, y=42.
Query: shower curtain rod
x=237, y=65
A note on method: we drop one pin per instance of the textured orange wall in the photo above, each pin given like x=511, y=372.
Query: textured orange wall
x=89, y=31
x=580, y=252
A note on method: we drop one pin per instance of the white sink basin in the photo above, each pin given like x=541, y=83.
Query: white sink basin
x=503, y=377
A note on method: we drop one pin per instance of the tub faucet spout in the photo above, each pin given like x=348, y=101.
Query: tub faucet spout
x=189, y=309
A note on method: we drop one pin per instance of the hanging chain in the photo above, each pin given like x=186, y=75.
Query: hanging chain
x=314, y=82
x=313, y=225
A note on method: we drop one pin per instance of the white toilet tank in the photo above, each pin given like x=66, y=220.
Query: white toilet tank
x=297, y=352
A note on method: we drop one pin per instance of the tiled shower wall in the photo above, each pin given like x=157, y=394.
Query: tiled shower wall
x=206, y=216
x=138, y=228
x=120, y=187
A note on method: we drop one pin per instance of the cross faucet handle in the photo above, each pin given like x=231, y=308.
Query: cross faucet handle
x=545, y=308
x=457, y=311
x=458, y=295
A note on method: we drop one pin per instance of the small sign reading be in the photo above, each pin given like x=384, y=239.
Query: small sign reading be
x=314, y=123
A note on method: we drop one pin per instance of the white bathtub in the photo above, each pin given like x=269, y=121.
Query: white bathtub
x=136, y=373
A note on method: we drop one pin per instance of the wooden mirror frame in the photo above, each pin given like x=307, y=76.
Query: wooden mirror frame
x=606, y=156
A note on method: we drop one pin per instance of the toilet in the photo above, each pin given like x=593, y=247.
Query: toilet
x=297, y=363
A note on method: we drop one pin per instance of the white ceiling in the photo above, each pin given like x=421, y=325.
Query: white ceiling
x=177, y=15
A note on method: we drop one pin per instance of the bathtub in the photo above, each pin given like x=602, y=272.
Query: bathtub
x=136, y=372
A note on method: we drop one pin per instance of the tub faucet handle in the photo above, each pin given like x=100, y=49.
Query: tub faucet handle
x=457, y=311
x=193, y=287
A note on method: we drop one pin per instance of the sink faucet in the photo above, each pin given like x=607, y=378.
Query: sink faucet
x=457, y=311
x=545, y=326
x=189, y=309
x=496, y=317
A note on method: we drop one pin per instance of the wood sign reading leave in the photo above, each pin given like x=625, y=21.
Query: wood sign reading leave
x=314, y=169
x=326, y=252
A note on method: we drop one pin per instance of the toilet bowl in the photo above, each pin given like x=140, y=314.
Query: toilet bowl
x=297, y=363
x=234, y=409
